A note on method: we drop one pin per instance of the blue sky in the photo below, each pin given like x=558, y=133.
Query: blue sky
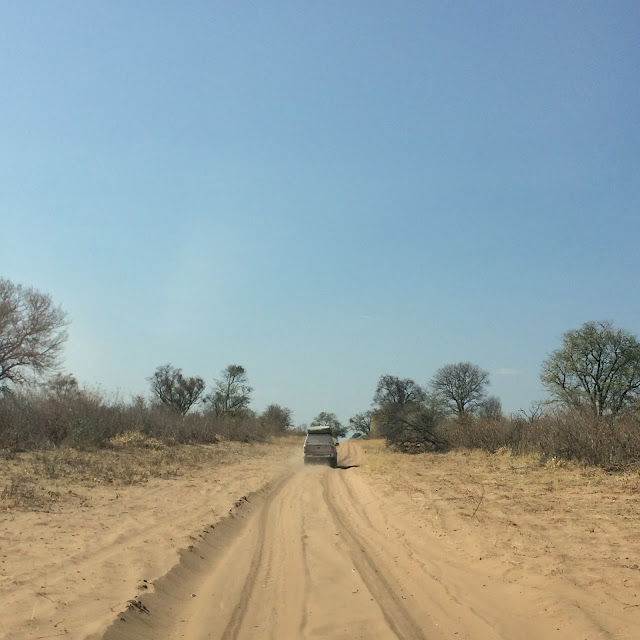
x=323, y=192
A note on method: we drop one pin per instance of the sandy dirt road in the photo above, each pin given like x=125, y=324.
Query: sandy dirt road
x=68, y=566
x=321, y=555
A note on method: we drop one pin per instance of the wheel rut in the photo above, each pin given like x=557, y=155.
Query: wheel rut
x=387, y=595
x=317, y=555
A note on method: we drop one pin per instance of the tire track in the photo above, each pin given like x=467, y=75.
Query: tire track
x=273, y=555
x=397, y=616
x=231, y=630
x=311, y=558
x=306, y=596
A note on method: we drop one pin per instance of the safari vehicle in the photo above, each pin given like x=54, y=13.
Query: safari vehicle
x=319, y=446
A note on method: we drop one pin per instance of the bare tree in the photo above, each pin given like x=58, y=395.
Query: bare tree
x=462, y=385
x=598, y=366
x=174, y=390
x=232, y=393
x=276, y=416
x=535, y=411
x=394, y=390
x=32, y=332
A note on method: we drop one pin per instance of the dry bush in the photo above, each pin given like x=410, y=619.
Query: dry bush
x=410, y=428
x=244, y=429
x=169, y=426
x=204, y=428
x=42, y=419
x=19, y=417
x=135, y=439
x=22, y=493
x=470, y=432
x=32, y=419
x=611, y=442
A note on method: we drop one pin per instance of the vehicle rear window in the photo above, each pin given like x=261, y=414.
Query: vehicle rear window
x=320, y=438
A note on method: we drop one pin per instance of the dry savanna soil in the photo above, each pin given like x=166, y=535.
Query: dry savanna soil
x=244, y=541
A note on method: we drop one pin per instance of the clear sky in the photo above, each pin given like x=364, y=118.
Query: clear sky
x=323, y=192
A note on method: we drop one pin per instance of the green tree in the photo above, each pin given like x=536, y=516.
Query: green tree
x=325, y=419
x=360, y=424
x=462, y=386
x=279, y=418
x=232, y=392
x=597, y=366
x=174, y=390
x=410, y=427
x=406, y=415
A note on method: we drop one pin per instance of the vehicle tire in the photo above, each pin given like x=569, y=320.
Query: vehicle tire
x=334, y=462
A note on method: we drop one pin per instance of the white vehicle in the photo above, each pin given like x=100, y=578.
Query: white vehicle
x=319, y=446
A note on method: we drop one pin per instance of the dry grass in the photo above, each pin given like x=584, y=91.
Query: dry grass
x=36, y=480
x=501, y=472
x=540, y=525
x=557, y=515
x=22, y=492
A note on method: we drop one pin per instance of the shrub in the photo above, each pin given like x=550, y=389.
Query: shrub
x=410, y=427
x=37, y=418
x=471, y=432
x=611, y=442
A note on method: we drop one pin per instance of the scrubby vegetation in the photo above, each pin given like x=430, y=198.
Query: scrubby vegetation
x=593, y=416
x=41, y=409
x=611, y=442
x=46, y=418
x=550, y=431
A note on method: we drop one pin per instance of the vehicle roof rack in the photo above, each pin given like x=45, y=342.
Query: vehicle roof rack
x=320, y=429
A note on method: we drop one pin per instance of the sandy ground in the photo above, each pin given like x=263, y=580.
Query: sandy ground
x=69, y=567
x=457, y=546
x=564, y=539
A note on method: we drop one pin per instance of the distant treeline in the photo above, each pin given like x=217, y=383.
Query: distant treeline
x=592, y=414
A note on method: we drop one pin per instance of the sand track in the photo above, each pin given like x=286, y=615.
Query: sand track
x=318, y=554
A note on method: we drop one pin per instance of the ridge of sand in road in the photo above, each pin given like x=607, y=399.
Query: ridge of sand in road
x=69, y=571
x=325, y=554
